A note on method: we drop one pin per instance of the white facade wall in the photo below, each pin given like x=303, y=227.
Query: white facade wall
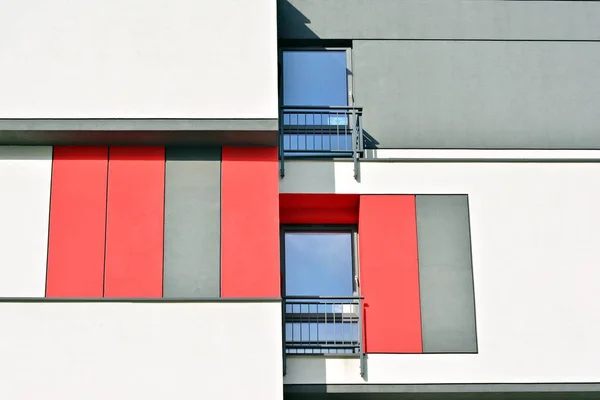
x=535, y=229
x=25, y=174
x=141, y=351
x=138, y=59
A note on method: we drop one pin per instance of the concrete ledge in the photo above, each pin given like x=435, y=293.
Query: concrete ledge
x=448, y=388
x=141, y=300
x=240, y=132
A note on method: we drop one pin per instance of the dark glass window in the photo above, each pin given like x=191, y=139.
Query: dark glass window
x=321, y=316
x=315, y=78
x=318, y=264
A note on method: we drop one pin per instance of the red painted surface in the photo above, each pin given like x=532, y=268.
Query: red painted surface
x=250, y=222
x=301, y=208
x=389, y=274
x=77, y=222
x=134, y=230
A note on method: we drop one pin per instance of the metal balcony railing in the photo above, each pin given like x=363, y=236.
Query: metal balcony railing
x=320, y=131
x=323, y=325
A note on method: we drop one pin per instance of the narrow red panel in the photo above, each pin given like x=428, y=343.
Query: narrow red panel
x=134, y=230
x=389, y=274
x=77, y=222
x=303, y=208
x=250, y=222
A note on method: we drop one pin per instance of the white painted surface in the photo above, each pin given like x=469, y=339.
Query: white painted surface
x=138, y=59
x=462, y=154
x=141, y=351
x=535, y=231
x=24, y=211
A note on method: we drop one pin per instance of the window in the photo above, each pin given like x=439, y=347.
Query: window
x=316, y=101
x=319, y=263
x=315, y=78
x=320, y=289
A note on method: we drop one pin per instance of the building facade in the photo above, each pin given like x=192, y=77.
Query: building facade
x=300, y=199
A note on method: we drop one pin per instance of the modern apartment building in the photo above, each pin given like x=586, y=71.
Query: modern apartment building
x=299, y=199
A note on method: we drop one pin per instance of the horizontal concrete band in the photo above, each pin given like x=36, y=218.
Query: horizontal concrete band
x=141, y=300
x=431, y=19
x=447, y=388
x=136, y=124
x=241, y=132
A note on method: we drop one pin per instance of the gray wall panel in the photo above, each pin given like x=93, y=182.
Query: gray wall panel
x=192, y=222
x=448, y=94
x=445, y=274
x=434, y=19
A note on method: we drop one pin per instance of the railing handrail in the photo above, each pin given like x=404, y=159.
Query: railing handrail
x=325, y=125
x=323, y=297
x=347, y=108
x=309, y=323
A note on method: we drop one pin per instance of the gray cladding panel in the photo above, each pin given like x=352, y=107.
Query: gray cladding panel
x=445, y=274
x=434, y=19
x=452, y=94
x=192, y=222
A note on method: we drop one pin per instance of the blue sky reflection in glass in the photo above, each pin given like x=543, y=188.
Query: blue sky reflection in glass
x=315, y=78
x=318, y=264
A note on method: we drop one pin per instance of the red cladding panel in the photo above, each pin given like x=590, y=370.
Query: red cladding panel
x=300, y=208
x=250, y=222
x=390, y=274
x=134, y=230
x=77, y=222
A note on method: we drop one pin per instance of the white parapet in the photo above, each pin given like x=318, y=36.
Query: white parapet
x=121, y=350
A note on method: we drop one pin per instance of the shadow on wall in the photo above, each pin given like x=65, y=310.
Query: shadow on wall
x=292, y=23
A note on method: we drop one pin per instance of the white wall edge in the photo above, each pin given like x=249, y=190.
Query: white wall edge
x=465, y=154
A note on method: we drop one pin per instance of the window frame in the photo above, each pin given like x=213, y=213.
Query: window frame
x=322, y=228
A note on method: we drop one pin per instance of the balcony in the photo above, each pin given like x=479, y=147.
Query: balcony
x=324, y=325
x=320, y=131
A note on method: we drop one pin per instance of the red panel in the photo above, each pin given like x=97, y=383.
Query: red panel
x=390, y=274
x=134, y=230
x=318, y=208
x=77, y=222
x=250, y=222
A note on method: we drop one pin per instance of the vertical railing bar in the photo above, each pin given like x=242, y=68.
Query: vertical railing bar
x=327, y=330
x=281, y=143
x=361, y=141
x=305, y=132
x=310, y=326
x=334, y=323
x=317, y=323
x=321, y=130
x=300, y=314
x=360, y=338
x=354, y=146
x=284, y=334
x=298, y=132
x=337, y=129
x=292, y=325
x=346, y=126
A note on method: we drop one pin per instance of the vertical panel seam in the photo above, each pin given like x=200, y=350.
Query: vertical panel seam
x=162, y=284
x=49, y=216
x=106, y=220
x=219, y=271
